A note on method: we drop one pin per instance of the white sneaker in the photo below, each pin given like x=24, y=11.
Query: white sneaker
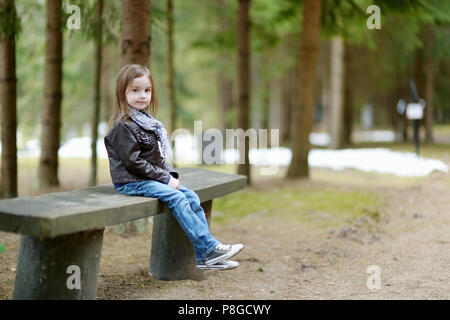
x=222, y=252
x=222, y=265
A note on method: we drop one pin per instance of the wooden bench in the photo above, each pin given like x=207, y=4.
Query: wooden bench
x=62, y=234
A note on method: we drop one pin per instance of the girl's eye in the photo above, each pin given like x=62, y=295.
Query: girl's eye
x=148, y=90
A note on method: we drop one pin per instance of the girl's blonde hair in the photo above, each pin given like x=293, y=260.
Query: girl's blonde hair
x=125, y=77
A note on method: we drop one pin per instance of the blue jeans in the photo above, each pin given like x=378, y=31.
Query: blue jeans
x=185, y=205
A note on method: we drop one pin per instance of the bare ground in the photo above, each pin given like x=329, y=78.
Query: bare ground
x=284, y=259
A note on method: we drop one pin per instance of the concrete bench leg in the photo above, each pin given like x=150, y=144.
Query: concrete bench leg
x=172, y=254
x=63, y=267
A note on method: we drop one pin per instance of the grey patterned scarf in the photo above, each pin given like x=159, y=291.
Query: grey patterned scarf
x=148, y=122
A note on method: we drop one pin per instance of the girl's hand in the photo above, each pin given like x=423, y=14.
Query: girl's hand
x=174, y=183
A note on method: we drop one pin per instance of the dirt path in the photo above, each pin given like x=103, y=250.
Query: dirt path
x=285, y=260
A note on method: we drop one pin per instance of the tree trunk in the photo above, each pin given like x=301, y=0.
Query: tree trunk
x=97, y=93
x=419, y=77
x=405, y=94
x=109, y=64
x=51, y=114
x=8, y=96
x=302, y=115
x=225, y=96
x=396, y=97
x=224, y=80
x=337, y=75
x=275, y=113
x=170, y=72
x=135, y=49
x=325, y=97
x=429, y=86
x=348, y=97
x=170, y=83
x=324, y=63
x=266, y=104
x=135, y=32
x=244, y=83
x=286, y=107
x=289, y=87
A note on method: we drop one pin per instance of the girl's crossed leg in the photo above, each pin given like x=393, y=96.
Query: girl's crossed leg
x=186, y=208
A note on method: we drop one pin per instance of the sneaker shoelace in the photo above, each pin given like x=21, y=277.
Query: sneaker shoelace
x=223, y=247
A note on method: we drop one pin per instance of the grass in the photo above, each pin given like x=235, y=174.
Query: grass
x=316, y=207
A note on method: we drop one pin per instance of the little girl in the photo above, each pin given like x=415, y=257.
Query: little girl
x=138, y=149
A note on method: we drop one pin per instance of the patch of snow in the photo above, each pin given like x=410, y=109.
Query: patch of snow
x=381, y=160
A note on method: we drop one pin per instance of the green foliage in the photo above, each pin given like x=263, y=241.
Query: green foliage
x=271, y=20
x=9, y=21
x=221, y=34
x=111, y=20
x=2, y=248
x=338, y=15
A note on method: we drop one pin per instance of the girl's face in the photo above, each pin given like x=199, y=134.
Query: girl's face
x=139, y=93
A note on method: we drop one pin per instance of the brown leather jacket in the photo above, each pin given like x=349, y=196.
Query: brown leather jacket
x=134, y=154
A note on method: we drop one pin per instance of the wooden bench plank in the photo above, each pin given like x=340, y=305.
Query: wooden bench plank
x=91, y=208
